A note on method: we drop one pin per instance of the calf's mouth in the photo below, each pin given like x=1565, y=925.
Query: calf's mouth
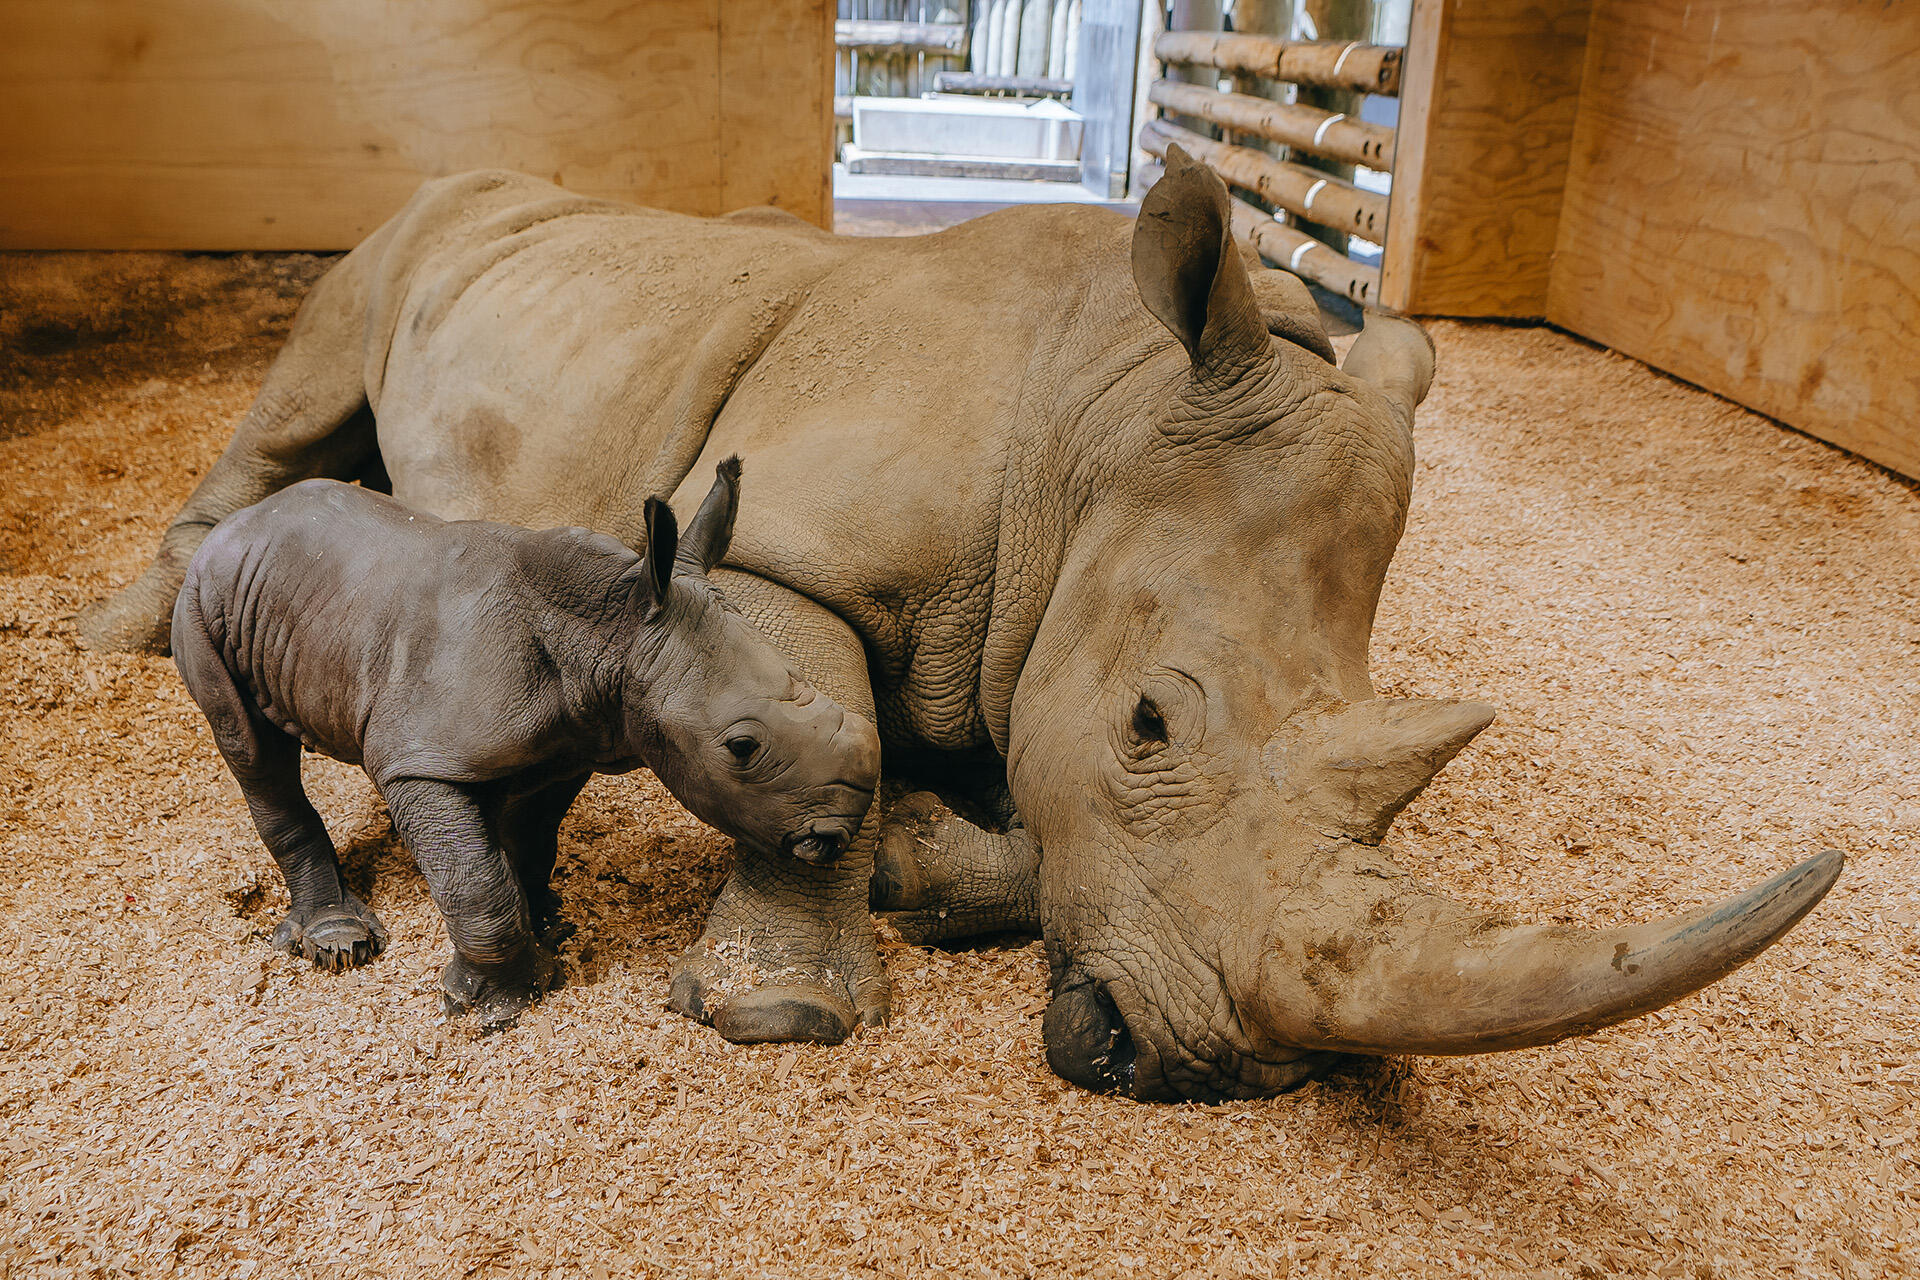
x=817, y=845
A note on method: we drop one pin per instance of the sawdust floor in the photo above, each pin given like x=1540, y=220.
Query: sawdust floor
x=1702, y=634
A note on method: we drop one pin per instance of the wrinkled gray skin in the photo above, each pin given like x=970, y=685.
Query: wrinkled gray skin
x=1086, y=514
x=481, y=674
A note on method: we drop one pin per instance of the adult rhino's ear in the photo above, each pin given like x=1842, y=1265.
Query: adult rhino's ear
x=663, y=541
x=1190, y=274
x=712, y=529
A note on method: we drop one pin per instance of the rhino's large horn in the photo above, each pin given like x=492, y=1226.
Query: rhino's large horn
x=1396, y=357
x=1363, y=961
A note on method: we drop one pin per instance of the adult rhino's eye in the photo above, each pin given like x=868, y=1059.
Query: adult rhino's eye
x=1148, y=724
x=742, y=748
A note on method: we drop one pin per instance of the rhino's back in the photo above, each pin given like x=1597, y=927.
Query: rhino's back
x=526, y=346
x=552, y=359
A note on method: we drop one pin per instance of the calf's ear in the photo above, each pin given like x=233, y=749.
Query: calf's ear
x=711, y=529
x=1189, y=271
x=663, y=542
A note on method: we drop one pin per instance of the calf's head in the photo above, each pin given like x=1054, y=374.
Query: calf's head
x=729, y=726
x=1195, y=742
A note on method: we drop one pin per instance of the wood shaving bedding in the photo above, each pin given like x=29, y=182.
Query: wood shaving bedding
x=1702, y=634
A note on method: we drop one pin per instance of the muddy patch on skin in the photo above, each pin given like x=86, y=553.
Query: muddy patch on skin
x=1700, y=678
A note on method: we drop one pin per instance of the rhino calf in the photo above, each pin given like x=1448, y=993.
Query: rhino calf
x=481, y=673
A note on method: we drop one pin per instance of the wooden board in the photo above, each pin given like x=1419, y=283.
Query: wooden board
x=303, y=124
x=1743, y=208
x=1488, y=99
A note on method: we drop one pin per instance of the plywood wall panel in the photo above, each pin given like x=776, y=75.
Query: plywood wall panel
x=764, y=70
x=1488, y=100
x=1743, y=208
x=262, y=124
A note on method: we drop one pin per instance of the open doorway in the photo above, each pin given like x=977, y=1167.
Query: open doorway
x=945, y=109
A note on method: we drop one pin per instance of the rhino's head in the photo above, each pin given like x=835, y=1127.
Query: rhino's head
x=1194, y=740
x=735, y=733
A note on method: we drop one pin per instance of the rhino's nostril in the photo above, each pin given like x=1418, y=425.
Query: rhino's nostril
x=1087, y=1040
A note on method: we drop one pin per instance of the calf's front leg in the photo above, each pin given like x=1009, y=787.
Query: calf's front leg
x=498, y=967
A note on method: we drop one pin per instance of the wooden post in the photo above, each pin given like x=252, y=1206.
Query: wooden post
x=1262, y=18
x=1196, y=15
x=1146, y=71
x=1335, y=20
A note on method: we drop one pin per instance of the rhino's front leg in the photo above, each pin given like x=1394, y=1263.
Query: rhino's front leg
x=789, y=951
x=938, y=875
x=498, y=968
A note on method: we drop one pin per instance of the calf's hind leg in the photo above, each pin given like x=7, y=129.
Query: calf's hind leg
x=326, y=924
x=309, y=420
x=530, y=830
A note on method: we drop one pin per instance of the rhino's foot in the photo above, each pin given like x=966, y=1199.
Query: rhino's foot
x=789, y=954
x=340, y=935
x=938, y=876
x=797, y=1010
x=138, y=619
x=497, y=996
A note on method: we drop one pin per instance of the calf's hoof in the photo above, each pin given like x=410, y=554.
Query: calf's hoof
x=341, y=935
x=497, y=996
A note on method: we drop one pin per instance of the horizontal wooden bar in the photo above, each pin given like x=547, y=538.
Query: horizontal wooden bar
x=1295, y=251
x=1337, y=137
x=1023, y=86
x=929, y=37
x=1314, y=195
x=1327, y=64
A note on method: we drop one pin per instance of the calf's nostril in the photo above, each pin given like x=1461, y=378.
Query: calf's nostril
x=1087, y=1040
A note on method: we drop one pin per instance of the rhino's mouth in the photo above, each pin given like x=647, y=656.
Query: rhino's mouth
x=816, y=847
x=1087, y=1039
x=1104, y=1040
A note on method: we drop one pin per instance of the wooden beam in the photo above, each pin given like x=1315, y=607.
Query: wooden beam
x=1306, y=257
x=1289, y=250
x=1330, y=64
x=916, y=37
x=1307, y=192
x=1302, y=128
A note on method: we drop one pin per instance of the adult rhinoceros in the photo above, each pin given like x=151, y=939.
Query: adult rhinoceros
x=1048, y=492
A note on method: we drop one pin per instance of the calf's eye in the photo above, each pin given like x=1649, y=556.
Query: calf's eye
x=742, y=748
